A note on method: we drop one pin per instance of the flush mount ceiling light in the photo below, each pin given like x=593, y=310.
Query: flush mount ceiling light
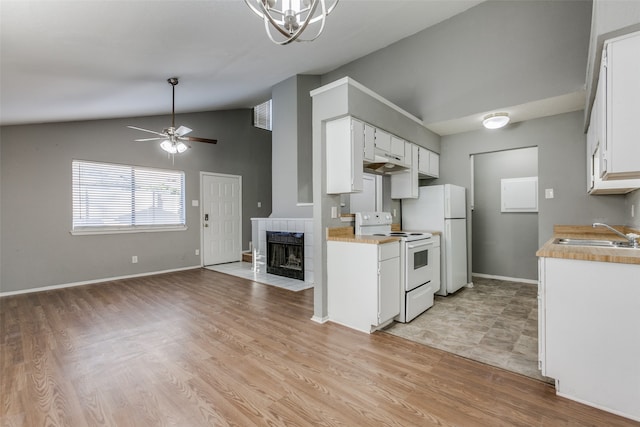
x=495, y=120
x=290, y=18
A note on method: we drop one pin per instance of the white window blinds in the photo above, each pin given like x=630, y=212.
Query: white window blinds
x=111, y=197
x=262, y=115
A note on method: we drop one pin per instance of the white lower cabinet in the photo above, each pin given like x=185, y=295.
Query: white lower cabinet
x=363, y=284
x=589, y=332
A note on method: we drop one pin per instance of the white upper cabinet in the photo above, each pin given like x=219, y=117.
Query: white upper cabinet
x=397, y=149
x=344, y=144
x=612, y=148
x=404, y=185
x=621, y=148
x=383, y=141
x=428, y=163
x=369, y=142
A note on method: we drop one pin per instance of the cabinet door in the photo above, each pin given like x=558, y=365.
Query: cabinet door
x=397, y=148
x=434, y=164
x=404, y=185
x=344, y=140
x=423, y=160
x=623, y=108
x=369, y=142
x=383, y=141
x=388, y=289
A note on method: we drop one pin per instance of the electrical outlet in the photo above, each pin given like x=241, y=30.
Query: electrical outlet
x=197, y=251
x=259, y=204
x=134, y=259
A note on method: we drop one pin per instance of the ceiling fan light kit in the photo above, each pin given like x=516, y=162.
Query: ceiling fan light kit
x=289, y=18
x=173, y=140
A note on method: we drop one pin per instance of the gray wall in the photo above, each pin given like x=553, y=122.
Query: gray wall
x=291, y=156
x=497, y=54
x=561, y=166
x=37, y=248
x=633, y=199
x=504, y=243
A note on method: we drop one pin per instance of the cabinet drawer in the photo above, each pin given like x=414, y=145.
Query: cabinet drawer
x=388, y=250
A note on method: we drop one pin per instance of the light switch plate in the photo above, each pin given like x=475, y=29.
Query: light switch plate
x=195, y=203
x=548, y=193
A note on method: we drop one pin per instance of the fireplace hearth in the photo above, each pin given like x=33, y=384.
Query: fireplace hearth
x=285, y=254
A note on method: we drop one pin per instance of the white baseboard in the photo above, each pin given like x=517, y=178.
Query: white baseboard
x=319, y=319
x=92, y=282
x=508, y=279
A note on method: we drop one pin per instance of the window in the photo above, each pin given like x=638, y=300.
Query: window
x=262, y=115
x=120, y=198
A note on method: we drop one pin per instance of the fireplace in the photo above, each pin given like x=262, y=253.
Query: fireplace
x=285, y=254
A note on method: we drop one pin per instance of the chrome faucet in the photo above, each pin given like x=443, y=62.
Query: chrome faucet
x=631, y=237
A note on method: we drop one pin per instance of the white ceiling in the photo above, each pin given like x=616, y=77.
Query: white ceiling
x=96, y=59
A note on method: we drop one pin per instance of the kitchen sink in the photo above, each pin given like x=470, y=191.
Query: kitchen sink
x=591, y=242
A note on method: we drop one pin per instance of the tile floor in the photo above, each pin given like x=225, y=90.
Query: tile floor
x=495, y=322
x=243, y=269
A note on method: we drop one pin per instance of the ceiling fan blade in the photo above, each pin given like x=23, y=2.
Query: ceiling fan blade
x=150, y=139
x=182, y=130
x=146, y=130
x=196, y=139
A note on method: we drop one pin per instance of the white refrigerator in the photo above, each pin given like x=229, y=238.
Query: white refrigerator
x=442, y=208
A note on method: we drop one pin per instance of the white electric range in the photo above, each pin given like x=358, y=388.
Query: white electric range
x=419, y=262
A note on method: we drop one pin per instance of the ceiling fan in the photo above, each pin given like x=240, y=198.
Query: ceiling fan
x=173, y=140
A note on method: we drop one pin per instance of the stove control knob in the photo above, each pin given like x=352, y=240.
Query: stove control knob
x=365, y=216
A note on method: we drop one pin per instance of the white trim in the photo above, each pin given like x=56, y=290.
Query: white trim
x=319, y=319
x=350, y=81
x=601, y=407
x=201, y=234
x=139, y=229
x=509, y=279
x=304, y=204
x=92, y=282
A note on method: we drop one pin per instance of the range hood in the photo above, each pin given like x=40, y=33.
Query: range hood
x=384, y=164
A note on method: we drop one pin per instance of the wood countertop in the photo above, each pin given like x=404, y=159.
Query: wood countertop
x=589, y=253
x=347, y=234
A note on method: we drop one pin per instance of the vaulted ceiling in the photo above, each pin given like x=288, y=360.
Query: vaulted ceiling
x=95, y=59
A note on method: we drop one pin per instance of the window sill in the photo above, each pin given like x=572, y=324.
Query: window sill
x=94, y=231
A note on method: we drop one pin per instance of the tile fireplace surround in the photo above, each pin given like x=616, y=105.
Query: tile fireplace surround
x=259, y=228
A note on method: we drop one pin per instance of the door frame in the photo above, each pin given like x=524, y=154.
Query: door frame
x=201, y=234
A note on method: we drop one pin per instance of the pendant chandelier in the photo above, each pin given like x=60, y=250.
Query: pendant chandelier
x=289, y=18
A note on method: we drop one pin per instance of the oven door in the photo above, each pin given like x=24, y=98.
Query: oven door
x=419, y=263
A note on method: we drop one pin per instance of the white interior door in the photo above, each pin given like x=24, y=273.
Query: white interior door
x=221, y=218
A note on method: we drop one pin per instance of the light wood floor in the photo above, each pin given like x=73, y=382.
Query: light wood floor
x=200, y=348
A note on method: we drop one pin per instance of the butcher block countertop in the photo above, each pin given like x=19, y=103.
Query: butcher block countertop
x=346, y=234
x=589, y=253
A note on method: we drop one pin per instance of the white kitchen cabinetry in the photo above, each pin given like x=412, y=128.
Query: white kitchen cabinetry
x=369, y=143
x=596, y=141
x=589, y=338
x=363, y=284
x=404, y=185
x=620, y=149
x=398, y=149
x=344, y=144
x=428, y=163
x=383, y=141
